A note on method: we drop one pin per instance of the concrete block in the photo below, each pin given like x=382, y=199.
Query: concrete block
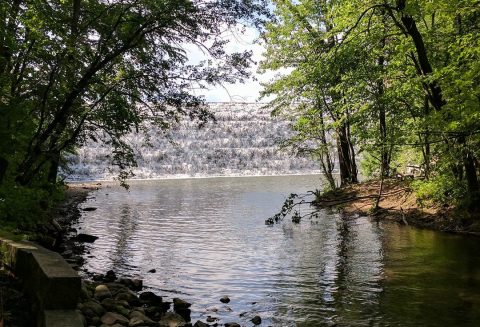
x=62, y=318
x=48, y=279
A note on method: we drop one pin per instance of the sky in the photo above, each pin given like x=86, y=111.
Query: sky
x=250, y=90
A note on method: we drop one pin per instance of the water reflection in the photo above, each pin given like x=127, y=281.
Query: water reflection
x=431, y=278
x=206, y=238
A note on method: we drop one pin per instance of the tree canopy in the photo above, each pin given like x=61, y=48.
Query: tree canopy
x=400, y=76
x=70, y=69
x=74, y=70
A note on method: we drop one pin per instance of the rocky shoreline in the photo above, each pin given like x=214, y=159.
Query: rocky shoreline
x=107, y=300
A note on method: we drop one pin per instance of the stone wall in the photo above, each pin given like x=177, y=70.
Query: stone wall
x=52, y=285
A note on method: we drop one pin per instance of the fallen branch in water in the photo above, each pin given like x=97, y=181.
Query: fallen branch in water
x=290, y=204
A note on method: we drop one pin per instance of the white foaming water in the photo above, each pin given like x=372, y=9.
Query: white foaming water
x=243, y=142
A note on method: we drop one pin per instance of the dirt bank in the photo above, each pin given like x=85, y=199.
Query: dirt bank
x=398, y=203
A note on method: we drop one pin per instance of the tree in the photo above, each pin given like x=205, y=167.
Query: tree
x=301, y=39
x=72, y=69
x=397, y=79
x=433, y=35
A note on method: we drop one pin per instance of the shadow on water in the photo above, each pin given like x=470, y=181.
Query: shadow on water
x=430, y=278
x=206, y=238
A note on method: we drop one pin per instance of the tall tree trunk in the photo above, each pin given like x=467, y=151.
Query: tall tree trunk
x=325, y=159
x=426, y=141
x=3, y=168
x=384, y=151
x=53, y=169
x=471, y=174
x=346, y=159
x=434, y=92
x=473, y=186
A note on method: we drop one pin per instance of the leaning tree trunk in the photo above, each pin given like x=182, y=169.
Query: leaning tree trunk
x=434, y=93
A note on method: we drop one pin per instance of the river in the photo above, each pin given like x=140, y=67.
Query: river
x=206, y=238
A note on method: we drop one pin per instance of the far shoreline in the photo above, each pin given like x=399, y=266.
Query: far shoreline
x=180, y=177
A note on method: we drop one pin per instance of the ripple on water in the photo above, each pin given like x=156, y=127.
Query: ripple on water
x=206, y=238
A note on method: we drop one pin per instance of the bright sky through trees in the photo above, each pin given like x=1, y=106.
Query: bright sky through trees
x=249, y=91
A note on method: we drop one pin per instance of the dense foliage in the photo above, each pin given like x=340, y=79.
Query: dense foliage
x=72, y=70
x=395, y=81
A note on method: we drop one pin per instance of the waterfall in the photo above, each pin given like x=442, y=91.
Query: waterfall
x=244, y=141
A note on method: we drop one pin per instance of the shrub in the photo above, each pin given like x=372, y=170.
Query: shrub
x=442, y=189
x=26, y=207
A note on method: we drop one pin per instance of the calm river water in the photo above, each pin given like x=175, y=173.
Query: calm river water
x=206, y=238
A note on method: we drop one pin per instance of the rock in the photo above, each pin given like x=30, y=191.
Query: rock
x=213, y=309
x=111, y=318
x=153, y=312
x=200, y=324
x=109, y=304
x=95, y=307
x=85, y=292
x=139, y=319
x=110, y=276
x=232, y=324
x=89, y=209
x=134, y=322
x=96, y=321
x=180, y=304
x=171, y=319
x=182, y=308
x=256, y=320
x=85, y=238
x=211, y=319
x=128, y=296
x=150, y=298
x=87, y=313
x=138, y=316
x=139, y=309
x=165, y=306
x=102, y=292
x=152, y=271
x=133, y=284
x=225, y=299
x=102, y=288
x=117, y=288
x=122, y=310
x=137, y=285
x=116, y=306
x=185, y=313
x=97, y=277
x=124, y=304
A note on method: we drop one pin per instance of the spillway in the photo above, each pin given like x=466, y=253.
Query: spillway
x=244, y=141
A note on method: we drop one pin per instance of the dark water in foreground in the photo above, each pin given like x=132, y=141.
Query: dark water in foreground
x=206, y=238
